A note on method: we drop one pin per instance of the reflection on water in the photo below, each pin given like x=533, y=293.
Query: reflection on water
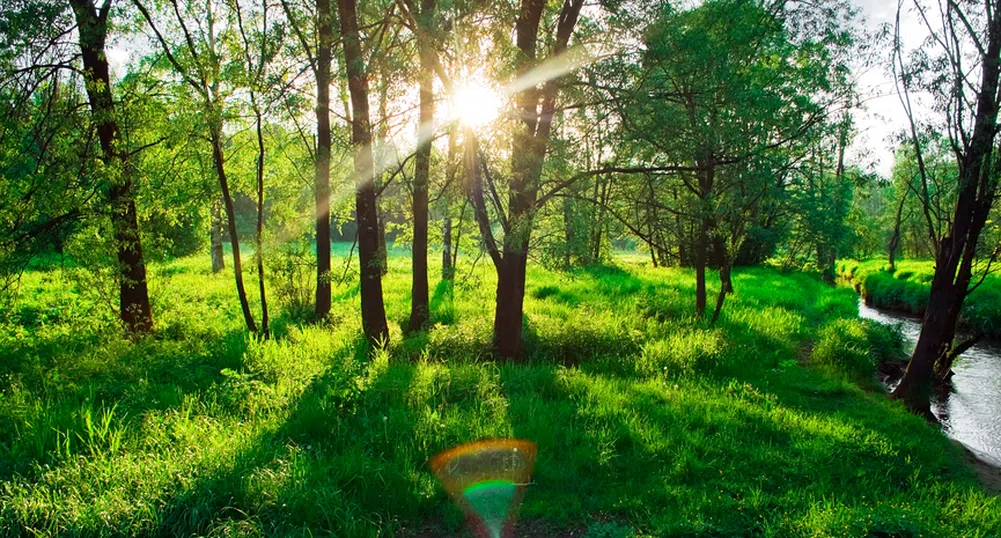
x=972, y=413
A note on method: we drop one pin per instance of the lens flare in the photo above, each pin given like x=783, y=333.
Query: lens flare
x=487, y=480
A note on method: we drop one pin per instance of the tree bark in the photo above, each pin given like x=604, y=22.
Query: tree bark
x=134, y=306
x=373, y=310
x=508, y=322
x=215, y=237
x=324, y=53
x=422, y=167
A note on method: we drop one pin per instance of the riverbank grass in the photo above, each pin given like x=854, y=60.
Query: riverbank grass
x=906, y=290
x=648, y=421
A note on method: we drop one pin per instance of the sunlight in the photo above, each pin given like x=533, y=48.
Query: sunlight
x=475, y=104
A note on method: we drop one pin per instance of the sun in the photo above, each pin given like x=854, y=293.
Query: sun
x=475, y=104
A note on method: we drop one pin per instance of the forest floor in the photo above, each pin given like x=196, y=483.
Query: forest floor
x=648, y=421
x=906, y=290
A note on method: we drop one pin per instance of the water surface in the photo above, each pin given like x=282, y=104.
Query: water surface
x=971, y=414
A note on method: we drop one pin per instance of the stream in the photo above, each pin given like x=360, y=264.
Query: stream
x=971, y=414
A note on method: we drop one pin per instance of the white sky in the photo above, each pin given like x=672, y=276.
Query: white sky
x=883, y=115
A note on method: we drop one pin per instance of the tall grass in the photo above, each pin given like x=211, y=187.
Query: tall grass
x=649, y=422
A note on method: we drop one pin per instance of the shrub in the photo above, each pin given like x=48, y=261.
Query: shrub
x=292, y=270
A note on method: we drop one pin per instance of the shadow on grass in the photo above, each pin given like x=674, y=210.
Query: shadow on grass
x=153, y=374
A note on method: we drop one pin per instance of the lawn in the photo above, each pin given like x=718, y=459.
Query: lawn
x=648, y=422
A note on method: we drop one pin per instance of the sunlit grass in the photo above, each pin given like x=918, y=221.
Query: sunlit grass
x=648, y=421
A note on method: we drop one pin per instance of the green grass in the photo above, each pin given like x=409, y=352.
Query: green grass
x=906, y=289
x=648, y=422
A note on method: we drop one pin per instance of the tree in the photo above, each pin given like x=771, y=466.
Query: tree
x=92, y=26
x=534, y=110
x=320, y=64
x=426, y=50
x=968, y=112
x=373, y=310
x=200, y=69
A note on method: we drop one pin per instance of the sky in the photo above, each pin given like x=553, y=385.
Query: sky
x=883, y=115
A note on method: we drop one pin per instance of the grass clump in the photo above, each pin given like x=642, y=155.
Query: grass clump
x=649, y=422
x=853, y=348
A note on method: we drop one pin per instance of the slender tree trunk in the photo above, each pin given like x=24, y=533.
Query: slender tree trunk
x=219, y=161
x=324, y=53
x=419, y=289
x=706, y=178
x=373, y=310
x=134, y=306
x=725, y=283
x=458, y=237
x=568, y=233
x=259, y=236
x=446, y=252
x=215, y=237
x=382, y=139
x=895, y=238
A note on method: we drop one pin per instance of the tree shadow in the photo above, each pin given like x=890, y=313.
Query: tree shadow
x=154, y=374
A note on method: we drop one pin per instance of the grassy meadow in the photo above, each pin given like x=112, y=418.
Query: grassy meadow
x=906, y=289
x=648, y=422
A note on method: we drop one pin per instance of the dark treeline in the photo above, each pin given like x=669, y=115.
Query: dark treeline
x=708, y=136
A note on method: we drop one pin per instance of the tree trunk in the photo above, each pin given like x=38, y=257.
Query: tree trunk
x=895, y=238
x=324, y=53
x=725, y=283
x=373, y=310
x=706, y=178
x=234, y=239
x=510, y=304
x=215, y=237
x=568, y=233
x=382, y=255
x=259, y=236
x=937, y=330
x=134, y=306
x=447, y=271
x=422, y=167
x=700, y=267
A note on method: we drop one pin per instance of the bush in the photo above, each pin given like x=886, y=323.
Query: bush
x=291, y=271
